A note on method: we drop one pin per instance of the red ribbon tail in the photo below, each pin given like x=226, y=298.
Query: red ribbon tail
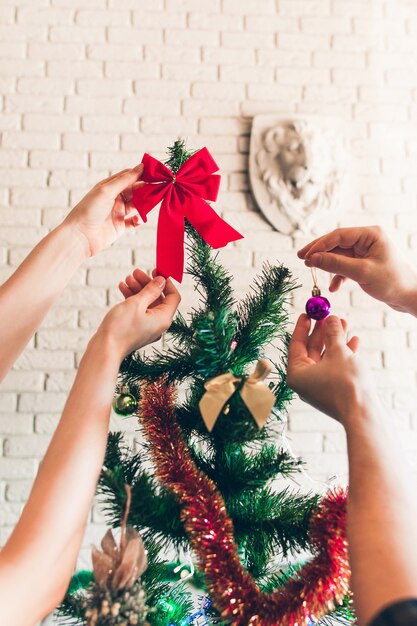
x=170, y=243
x=213, y=229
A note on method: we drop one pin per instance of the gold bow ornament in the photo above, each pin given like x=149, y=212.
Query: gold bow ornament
x=258, y=398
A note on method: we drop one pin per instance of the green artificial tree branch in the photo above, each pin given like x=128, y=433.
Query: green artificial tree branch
x=262, y=314
x=213, y=281
x=177, y=155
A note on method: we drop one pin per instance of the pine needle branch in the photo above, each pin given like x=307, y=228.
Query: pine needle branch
x=262, y=314
x=281, y=519
x=175, y=364
x=235, y=469
x=177, y=155
x=181, y=332
x=213, y=281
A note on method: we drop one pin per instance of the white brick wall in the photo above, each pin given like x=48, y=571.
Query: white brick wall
x=85, y=91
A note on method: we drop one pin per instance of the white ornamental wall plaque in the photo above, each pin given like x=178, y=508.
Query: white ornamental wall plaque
x=296, y=166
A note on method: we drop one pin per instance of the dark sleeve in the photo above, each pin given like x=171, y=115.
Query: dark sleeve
x=402, y=613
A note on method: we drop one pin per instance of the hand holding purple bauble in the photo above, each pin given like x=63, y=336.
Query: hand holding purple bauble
x=317, y=307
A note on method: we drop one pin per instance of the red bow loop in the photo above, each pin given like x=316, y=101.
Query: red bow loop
x=183, y=195
x=200, y=164
x=154, y=171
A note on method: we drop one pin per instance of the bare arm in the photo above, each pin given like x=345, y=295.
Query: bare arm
x=25, y=298
x=382, y=513
x=381, y=506
x=39, y=558
x=41, y=553
x=29, y=293
x=367, y=256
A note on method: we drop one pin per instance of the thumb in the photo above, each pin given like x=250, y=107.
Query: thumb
x=151, y=292
x=334, y=333
x=337, y=264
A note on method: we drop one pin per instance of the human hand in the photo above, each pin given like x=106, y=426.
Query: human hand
x=107, y=211
x=324, y=370
x=367, y=256
x=146, y=313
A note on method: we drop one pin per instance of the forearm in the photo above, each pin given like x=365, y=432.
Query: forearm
x=46, y=541
x=382, y=532
x=27, y=295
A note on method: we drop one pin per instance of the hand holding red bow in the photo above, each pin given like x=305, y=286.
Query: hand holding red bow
x=183, y=195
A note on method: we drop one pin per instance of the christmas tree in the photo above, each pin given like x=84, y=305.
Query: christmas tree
x=205, y=486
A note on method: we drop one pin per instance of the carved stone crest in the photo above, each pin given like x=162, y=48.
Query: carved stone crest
x=296, y=167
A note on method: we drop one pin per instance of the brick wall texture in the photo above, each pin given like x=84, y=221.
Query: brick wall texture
x=86, y=87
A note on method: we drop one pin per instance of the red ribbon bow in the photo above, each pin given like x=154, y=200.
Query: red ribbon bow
x=183, y=195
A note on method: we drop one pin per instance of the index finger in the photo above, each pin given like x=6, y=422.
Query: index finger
x=298, y=345
x=341, y=237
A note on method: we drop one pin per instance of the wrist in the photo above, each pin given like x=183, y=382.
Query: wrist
x=104, y=346
x=408, y=301
x=78, y=241
x=365, y=413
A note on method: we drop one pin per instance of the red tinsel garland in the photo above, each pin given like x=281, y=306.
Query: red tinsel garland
x=320, y=584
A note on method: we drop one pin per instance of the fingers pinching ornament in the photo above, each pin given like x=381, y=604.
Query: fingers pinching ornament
x=317, y=307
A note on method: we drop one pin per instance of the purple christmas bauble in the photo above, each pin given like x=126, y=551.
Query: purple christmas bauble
x=318, y=307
